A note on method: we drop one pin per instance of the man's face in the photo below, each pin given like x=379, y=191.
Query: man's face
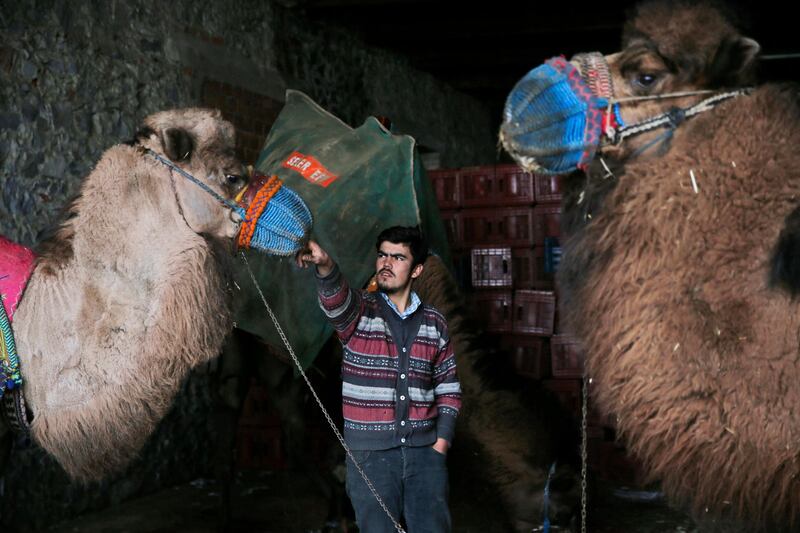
x=393, y=267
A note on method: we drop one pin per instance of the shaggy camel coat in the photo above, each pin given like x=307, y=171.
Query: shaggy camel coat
x=128, y=296
x=690, y=349
x=682, y=289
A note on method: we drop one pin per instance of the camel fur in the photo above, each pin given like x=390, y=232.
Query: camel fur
x=682, y=292
x=129, y=293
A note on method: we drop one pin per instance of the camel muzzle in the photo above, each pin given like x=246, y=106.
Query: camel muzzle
x=554, y=117
x=560, y=113
x=275, y=218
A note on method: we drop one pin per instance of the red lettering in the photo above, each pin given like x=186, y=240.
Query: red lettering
x=310, y=169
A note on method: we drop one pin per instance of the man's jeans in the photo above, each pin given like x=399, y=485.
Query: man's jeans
x=412, y=482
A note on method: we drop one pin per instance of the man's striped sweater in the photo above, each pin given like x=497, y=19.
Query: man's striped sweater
x=393, y=393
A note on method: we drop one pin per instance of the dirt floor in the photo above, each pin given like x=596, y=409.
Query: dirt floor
x=285, y=502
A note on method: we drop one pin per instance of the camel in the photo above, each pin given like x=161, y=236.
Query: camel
x=518, y=436
x=680, y=265
x=130, y=292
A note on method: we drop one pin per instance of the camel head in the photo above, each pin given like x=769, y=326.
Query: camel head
x=259, y=212
x=203, y=144
x=562, y=113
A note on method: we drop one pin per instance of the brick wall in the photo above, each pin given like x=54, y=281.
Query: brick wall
x=251, y=113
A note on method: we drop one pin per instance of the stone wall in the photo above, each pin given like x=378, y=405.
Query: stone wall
x=78, y=76
x=353, y=82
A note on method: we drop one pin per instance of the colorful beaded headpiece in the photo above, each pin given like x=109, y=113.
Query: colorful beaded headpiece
x=553, y=118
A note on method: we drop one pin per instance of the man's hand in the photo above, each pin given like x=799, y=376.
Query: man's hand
x=441, y=445
x=314, y=254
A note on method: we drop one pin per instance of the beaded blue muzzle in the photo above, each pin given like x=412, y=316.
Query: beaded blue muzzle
x=275, y=219
x=553, y=119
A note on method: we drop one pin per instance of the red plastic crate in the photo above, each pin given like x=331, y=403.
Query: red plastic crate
x=491, y=267
x=568, y=392
x=546, y=223
x=534, y=312
x=257, y=409
x=547, y=189
x=496, y=186
x=477, y=186
x=260, y=448
x=508, y=226
x=452, y=226
x=529, y=356
x=567, y=356
x=446, y=185
x=528, y=269
x=513, y=186
x=493, y=308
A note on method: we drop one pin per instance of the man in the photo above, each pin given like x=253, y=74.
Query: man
x=400, y=392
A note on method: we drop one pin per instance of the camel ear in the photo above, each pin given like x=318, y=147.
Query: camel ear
x=734, y=62
x=178, y=144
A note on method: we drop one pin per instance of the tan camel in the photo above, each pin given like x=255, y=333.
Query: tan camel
x=129, y=293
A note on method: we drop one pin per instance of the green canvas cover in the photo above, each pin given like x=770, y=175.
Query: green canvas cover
x=356, y=182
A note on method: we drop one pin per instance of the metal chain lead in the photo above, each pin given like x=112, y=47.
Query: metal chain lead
x=584, y=412
x=319, y=402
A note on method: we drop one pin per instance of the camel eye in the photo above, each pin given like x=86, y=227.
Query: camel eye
x=645, y=80
x=234, y=180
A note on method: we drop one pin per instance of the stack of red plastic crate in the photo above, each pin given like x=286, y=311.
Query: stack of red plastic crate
x=258, y=441
x=498, y=219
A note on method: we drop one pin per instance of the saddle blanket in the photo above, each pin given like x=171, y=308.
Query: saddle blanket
x=16, y=265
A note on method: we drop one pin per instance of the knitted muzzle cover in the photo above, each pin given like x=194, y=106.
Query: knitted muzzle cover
x=275, y=219
x=554, y=117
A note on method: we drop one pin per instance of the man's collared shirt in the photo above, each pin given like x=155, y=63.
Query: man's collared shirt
x=410, y=308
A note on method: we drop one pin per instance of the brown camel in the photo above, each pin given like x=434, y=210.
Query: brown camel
x=129, y=293
x=518, y=436
x=680, y=270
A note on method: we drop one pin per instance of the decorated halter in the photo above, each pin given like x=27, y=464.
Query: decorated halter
x=274, y=219
x=557, y=115
x=552, y=119
x=594, y=69
x=16, y=265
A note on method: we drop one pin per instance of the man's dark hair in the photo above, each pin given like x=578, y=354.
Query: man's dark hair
x=411, y=237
